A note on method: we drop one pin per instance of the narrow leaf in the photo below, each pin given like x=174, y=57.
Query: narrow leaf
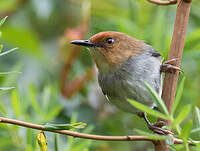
x=148, y=110
x=178, y=95
x=157, y=99
x=185, y=133
x=78, y=125
x=15, y=102
x=52, y=113
x=197, y=117
x=8, y=51
x=55, y=142
x=1, y=48
x=2, y=21
x=182, y=115
x=11, y=72
x=41, y=140
x=3, y=110
x=33, y=99
x=152, y=136
x=196, y=121
x=195, y=130
x=6, y=88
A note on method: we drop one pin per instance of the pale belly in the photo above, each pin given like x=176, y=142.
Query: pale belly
x=127, y=82
x=124, y=92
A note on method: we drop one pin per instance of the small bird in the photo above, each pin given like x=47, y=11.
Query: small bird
x=124, y=64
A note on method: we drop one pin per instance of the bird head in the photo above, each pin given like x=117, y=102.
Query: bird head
x=109, y=49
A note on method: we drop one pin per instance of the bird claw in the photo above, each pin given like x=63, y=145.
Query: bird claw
x=159, y=124
x=159, y=130
x=172, y=61
x=169, y=66
x=155, y=127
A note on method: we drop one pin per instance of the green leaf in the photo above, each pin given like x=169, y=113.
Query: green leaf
x=46, y=97
x=2, y=21
x=8, y=51
x=18, y=37
x=148, y=110
x=55, y=143
x=197, y=116
x=79, y=144
x=152, y=136
x=15, y=102
x=78, y=125
x=196, y=121
x=6, y=88
x=157, y=99
x=1, y=48
x=172, y=148
x=52, y=113
x=11, y=72
x=3, y=110
x=195, y=130
x=182, y=115
x=33, y=99
x=178, y=95
x=74, y=118
x=185, y=133
x=197, y=146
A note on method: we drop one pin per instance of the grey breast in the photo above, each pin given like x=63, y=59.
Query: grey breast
x=127, y=81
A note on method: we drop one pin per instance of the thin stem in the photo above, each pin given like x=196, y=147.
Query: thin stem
x=88, y=136
x=75, y=134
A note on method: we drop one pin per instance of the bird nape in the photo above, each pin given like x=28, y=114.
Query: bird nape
x=124, y=64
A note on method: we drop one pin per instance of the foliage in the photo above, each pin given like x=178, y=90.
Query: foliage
x=183, y=133
x=41, y=32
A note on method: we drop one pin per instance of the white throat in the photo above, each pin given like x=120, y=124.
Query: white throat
x=100, y=61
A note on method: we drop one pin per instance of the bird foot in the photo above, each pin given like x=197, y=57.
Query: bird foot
x=155, y=127
x=159, y=124
x=169, y=66
x=159, y=130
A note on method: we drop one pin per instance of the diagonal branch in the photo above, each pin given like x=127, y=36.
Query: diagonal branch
x=159, y=2
x=89, y=136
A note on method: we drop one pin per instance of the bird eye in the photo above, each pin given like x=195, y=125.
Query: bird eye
x=110, y=40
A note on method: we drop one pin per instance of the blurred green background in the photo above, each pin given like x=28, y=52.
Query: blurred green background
x=58, y=81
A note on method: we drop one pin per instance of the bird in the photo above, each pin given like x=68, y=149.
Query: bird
x=124, y=65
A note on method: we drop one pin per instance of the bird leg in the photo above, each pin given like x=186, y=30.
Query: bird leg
x=169, y=66
x=155, y=127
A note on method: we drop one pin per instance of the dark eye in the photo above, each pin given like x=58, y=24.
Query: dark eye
x=110, y=41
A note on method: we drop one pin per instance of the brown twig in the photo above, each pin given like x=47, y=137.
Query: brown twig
x=159, y=2
x=88, y=136
x=176, y=51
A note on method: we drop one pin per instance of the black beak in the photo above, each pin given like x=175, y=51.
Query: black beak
x=85, y=43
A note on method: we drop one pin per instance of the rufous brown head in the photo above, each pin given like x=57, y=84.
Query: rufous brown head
x=109, y=48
